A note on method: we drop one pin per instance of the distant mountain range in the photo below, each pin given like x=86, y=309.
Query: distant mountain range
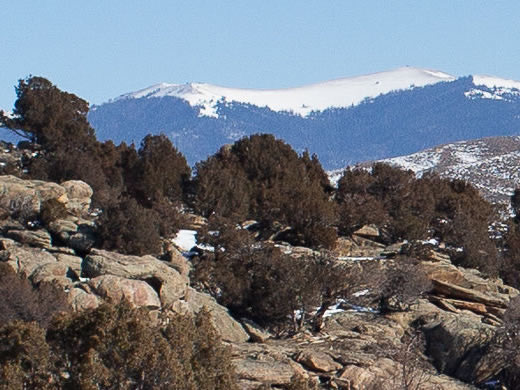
x=343, y=121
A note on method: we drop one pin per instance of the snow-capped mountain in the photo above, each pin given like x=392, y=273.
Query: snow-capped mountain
x=303, y=100
x=490, y=164
x=343, y=121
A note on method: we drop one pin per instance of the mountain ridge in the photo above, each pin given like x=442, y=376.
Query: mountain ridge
x=302, y=100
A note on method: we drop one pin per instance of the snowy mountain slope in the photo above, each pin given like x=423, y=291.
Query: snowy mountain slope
x=490, y=164
x=344, y=122
x=303, y=100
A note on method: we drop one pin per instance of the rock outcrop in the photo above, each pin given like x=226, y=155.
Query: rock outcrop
x=62, y=254
x=167, y=281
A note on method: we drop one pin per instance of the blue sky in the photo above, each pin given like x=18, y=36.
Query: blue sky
x=101, y=49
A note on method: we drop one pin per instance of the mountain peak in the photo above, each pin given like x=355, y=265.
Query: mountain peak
x=303, y=100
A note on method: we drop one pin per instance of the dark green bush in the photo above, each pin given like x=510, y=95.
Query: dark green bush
x=264, y=179
x=160, y=173
x=129, y=228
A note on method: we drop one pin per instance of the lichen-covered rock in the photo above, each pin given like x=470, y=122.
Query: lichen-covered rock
x=26, y=196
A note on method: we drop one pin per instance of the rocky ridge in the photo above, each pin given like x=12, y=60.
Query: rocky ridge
x=354, y=350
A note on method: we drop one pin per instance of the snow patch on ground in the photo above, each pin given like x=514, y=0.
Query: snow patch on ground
x=418, y=163
x=480, y=94
x=334, y=176
x=357, y=258
x=185, y=240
